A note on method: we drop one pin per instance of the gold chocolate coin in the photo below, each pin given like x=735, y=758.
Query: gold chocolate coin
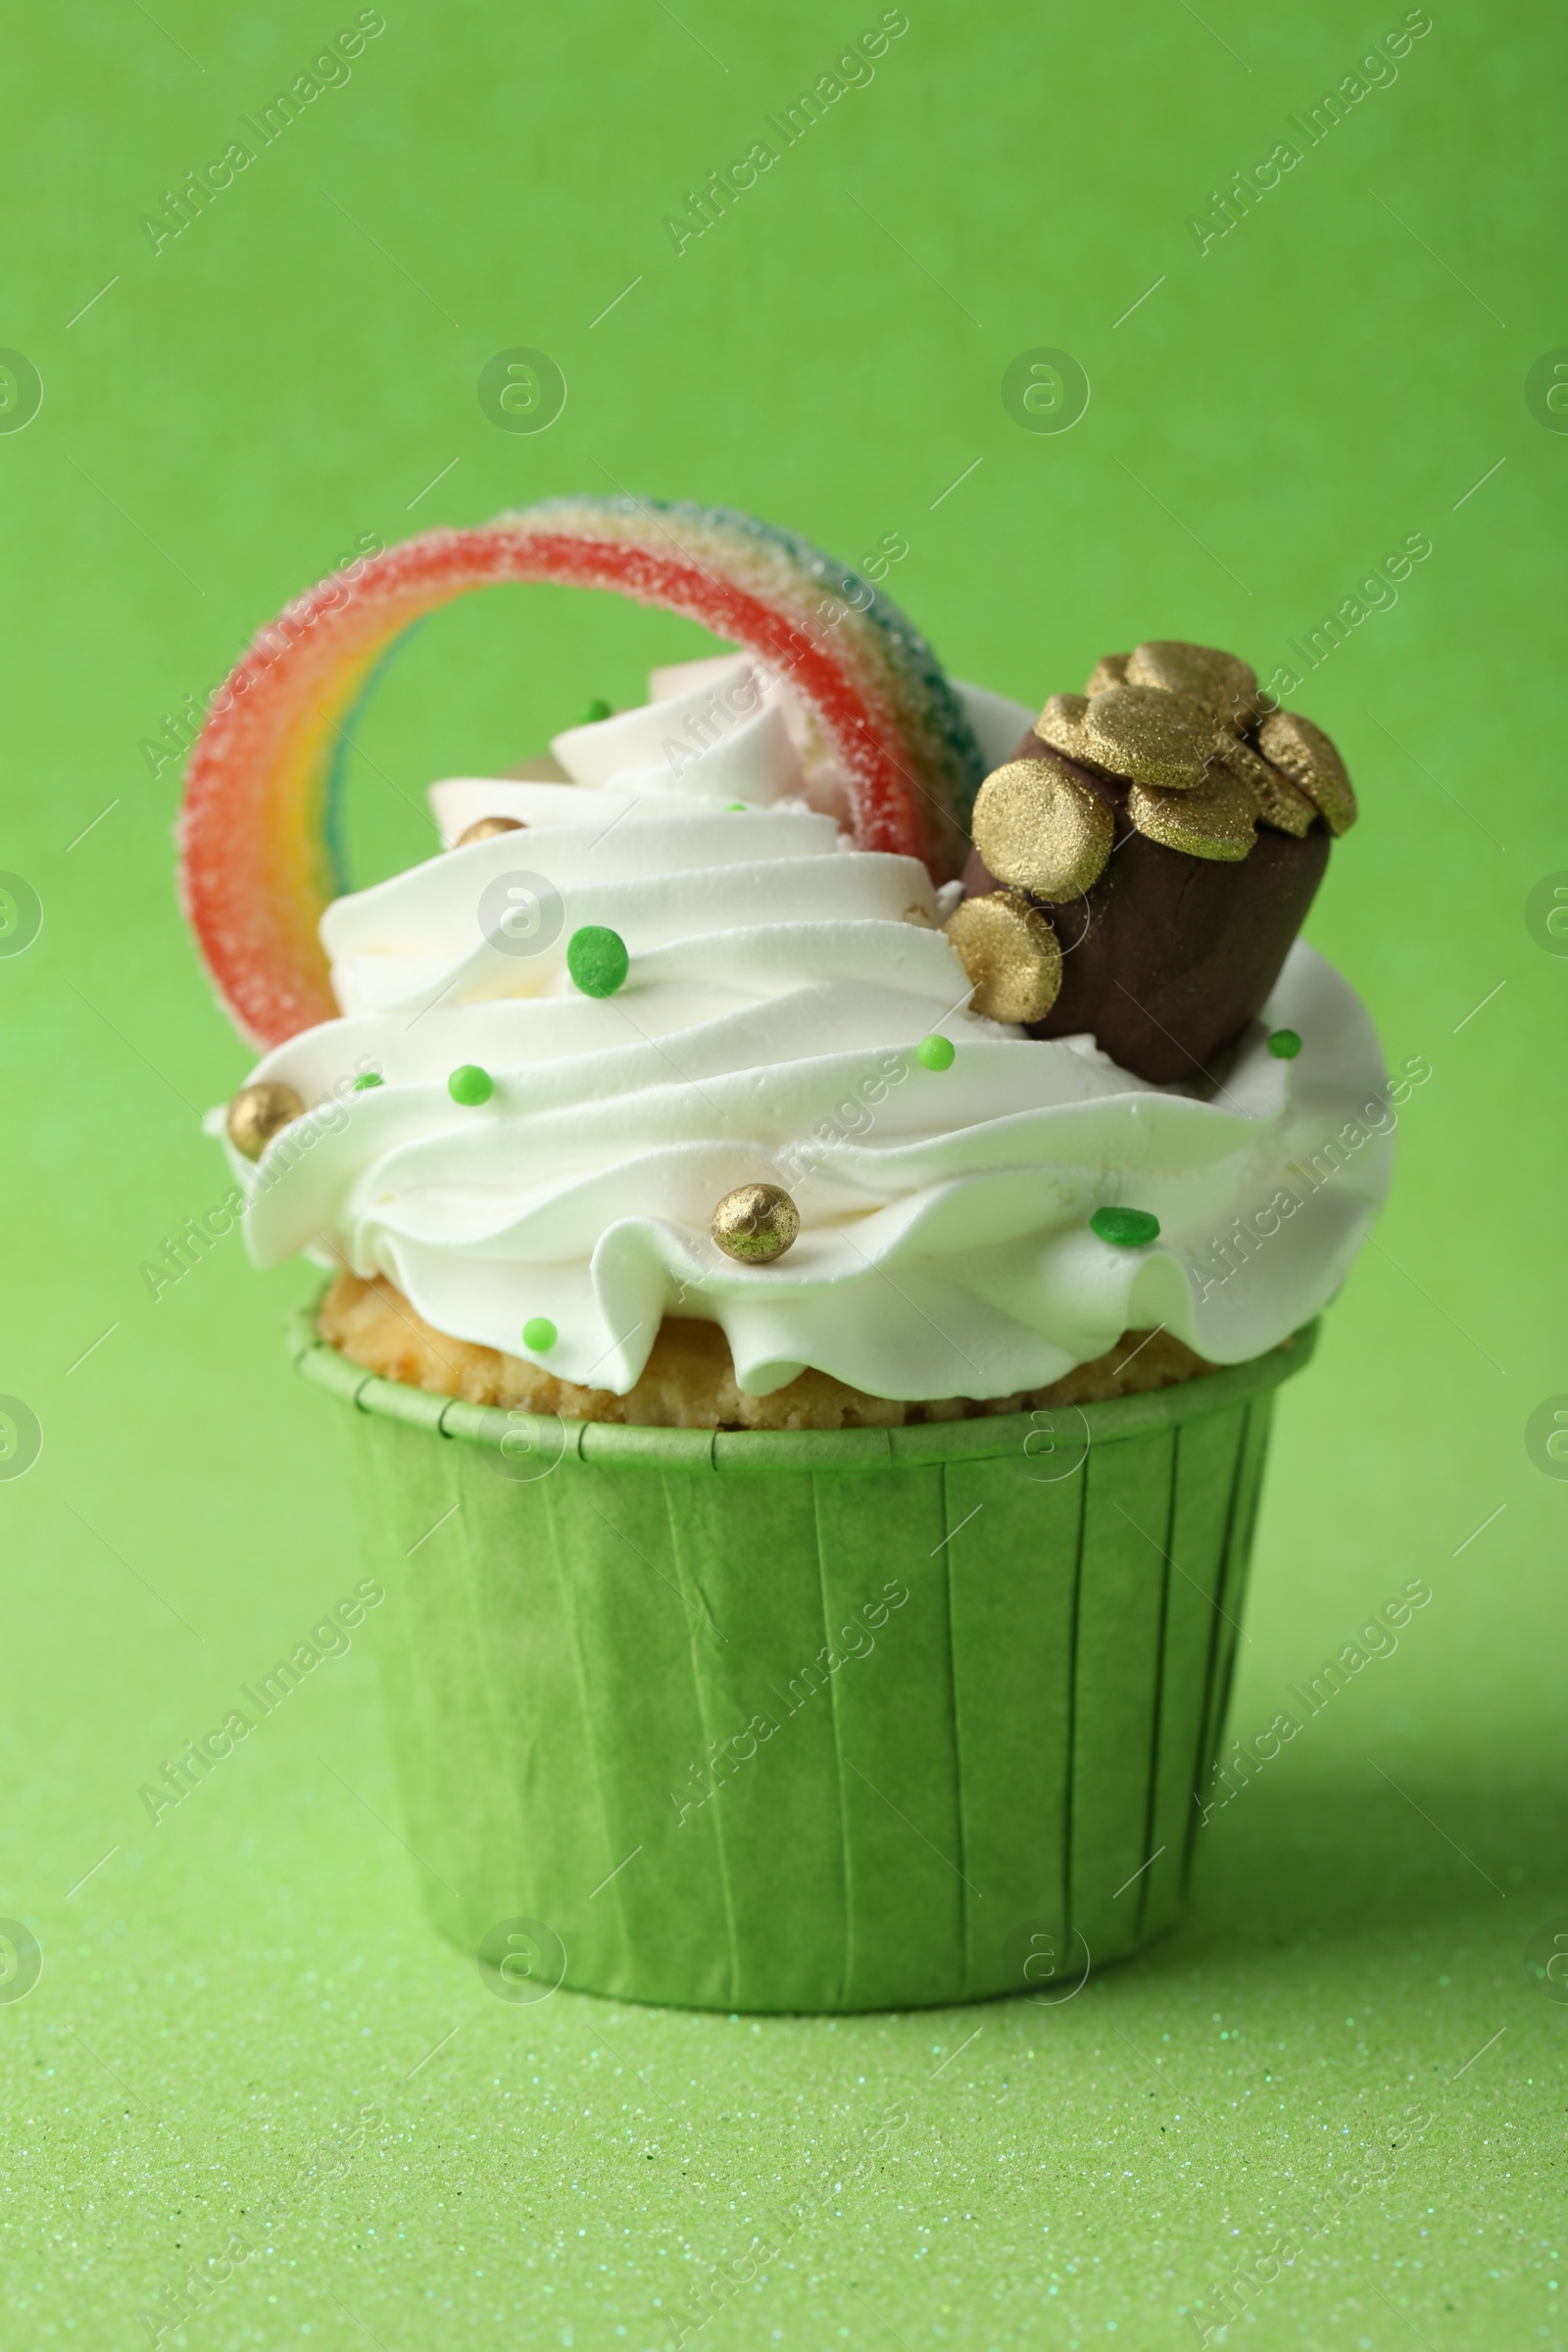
x=1061, y=723
x=1109, y=671
x=1223, y=683
x=259, y=1112
x=755, y=1223
x=1038, y=826
x=1309, y=760
x=1011, y=954
x=1281, y=805
x=485, y=828
x=1217, y=820
x=1156, y=737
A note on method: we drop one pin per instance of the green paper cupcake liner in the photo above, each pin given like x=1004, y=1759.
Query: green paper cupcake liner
x=807, y=1721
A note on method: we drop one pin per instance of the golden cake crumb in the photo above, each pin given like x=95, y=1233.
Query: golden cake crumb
x=689, y=1378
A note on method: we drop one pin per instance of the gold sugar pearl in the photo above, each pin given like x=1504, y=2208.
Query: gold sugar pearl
x=755, y=1223
x=1153, y=736
x=1109, y=671
x=1226, y=685
x=1217, y=820
x=486, y=828
x=1281, y=805
x=1309, y=760
x=1011, y=954
x=259, y=1112
x=1038, y=827
x=1061, y=723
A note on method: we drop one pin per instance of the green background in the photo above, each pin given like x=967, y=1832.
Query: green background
x=229, y=1992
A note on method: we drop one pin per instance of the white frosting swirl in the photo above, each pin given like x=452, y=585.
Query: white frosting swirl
x=779, y=982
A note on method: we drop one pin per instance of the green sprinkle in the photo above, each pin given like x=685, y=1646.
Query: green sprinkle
x=1284, y=1044
x=734, y=807
x=540, y=1334
x=470, y=1085
x=936, y=1053
x=597, y=959
x=1125, y=1228
x=370, y=1078
x=592, y=712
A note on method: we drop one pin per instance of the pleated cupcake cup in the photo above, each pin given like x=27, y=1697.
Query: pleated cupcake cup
x=807, y=1721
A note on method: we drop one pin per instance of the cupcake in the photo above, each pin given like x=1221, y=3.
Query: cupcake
x=812, y=1281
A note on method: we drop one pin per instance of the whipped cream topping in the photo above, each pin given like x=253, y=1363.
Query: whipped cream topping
x=779, y=983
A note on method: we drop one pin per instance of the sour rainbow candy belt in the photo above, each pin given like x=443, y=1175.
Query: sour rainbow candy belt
x=256, y=866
